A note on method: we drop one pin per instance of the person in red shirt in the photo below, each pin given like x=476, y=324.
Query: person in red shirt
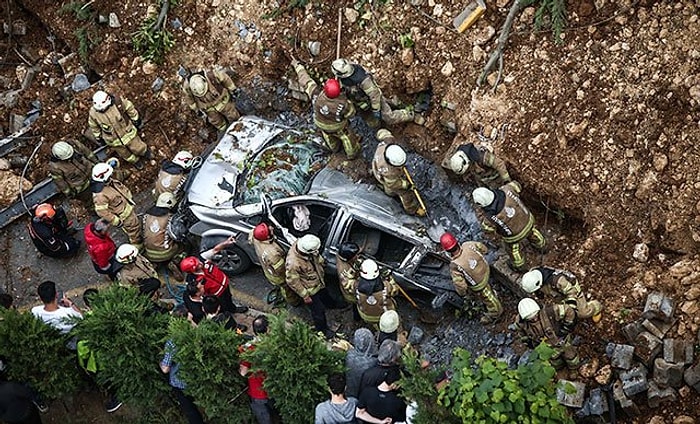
x=101, y=248
x=259, y=401
x=214, y=280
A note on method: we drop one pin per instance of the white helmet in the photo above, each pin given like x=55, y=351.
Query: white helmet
x=342, y=68
x=459, y=163
x=309, y=244
x=389, y=322
x=101, y=172
x=395, y=155
x=369, y=269
x=528, y=308
x=198, y=85
x=127, y=253
x=184, y=159
x=101, y=101
x=62, y=150
x=165, y=200
x=531, y=281
x=483, y=196
x=383, y=134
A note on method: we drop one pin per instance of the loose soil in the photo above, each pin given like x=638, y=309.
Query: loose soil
x=600, y=129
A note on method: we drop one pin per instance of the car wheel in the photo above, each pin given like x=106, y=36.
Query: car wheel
x=232, y=260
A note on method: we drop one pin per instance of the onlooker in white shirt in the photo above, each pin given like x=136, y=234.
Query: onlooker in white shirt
x=55, y=312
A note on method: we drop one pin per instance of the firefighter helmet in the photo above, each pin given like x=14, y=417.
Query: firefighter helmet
x=183, y=158
x=45, y=210
x=531, y=281
x=127, y=253
x=483, y=196
x=189, y=264
x=348, y=250
x=395, y=155
x=198, y=85
x=389, y=321
x=369, y=269
x=101, y=100
x=166, y=200
x=101, y=172
x=383, y=134
x=528, y=308
x=459, y=163
x=309, y=244
x=331, y=88
x=342, y=68
x=448, y=241
x=262, y=232
x=62, y=150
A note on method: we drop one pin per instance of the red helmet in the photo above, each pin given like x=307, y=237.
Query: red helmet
x=189, y=264
x=331, y=88
x=45, y=210
x=262, y=232
x=448, y=241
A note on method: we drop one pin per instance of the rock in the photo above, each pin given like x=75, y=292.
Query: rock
x=80, y=83
x=149, y=67
x=598, y=402
x=9, y=189
x=478, y=54
x=415, y=335
x=438, y=10
x=604, y=375
x=693, y=293
x=570, y=393
x=684, y=391
x=176, y=24
x=634, y=381
x=684, y=419
x=647, y=347
x=660, y=161
x=157, y=84
x=632, y=330
x=589, y=369
x=641, y=252
x=681, y=269
x=407, y=56
x=620, y=355
x=351, y=15
x=656, y=395
x=625, y=402
x=447, y=69
x=9, y=98
x=691, y=376
x=314, y=48
x=114, y=21
x=657, y=327
x=4, y=164
x=667, y=374
x=657, y=420
x=690, y=308
x=659, y=306
x=484, y=35
x=678, y=351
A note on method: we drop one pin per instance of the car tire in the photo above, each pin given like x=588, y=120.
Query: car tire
x=232, y=260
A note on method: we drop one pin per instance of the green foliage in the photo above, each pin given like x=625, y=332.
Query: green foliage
x=555, y=10
x=418, y=384
x=152, y=45
x=488, y=392
x=297, y=363
x=87, y=40
x=284, y=9
x=127, y=337
x=36, y=354
x=82, y=11
x=209, y=360
x=406, y=41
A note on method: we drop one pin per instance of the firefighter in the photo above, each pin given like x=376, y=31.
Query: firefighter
x=70, y=167
x=506, y=215
x=553, y=325
x=488, y=169
x=115, y=120
x=470, y=271
x=563, y=286
x=304, y=274
x=388, y=168
x=364, y=92
x=113, y=202
x=209, y=93
x=158, y=243
x=51, y=232
x=332, y=112
x=272, y=258
x=375, y=292
x=173, y=175
x=347, y=263
x=137, y=271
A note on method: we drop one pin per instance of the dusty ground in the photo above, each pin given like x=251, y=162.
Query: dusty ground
x=601, y=129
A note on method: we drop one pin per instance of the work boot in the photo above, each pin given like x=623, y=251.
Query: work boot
x=148, y=155
x=138, y=164
x=240, y=309
x=113, y=404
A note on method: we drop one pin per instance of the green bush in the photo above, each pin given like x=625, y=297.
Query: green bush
x=209, y=360
x=127, y=338
x=488, y=392
x=297, y=363
x=36, y=353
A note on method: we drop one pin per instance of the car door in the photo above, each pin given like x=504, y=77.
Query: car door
x=304, y=215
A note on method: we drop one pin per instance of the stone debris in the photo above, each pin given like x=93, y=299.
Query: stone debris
x=692, y=376
x=659, y=306
x=656, y=395
x=114, y=20
x=667, y=374
x=415, y=335
x=647, y=347
x=678, y=351
x=570, y=393
x=625, y=402
x=634, y=381
x=621, y=356
x=80, y=83
x=598, y=402
x=657, y=327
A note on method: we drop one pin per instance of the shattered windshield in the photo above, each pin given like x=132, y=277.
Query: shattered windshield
x=282, y=169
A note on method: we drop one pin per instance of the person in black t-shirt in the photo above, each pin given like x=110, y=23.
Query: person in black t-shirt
x=382, y=402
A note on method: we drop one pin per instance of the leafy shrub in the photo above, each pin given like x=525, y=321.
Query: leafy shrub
x=488, y=392
x=555, y=11
x=127, y=338
x=152, y=41
x=209, y=360
x=297, y=363
x=36, y=353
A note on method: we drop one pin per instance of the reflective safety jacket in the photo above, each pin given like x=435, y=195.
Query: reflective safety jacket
x=512, y=220
x=469, y=269
x=305, y=273
x=392, y=178
x=114, y=125
x=272, y=258
x=113, y=201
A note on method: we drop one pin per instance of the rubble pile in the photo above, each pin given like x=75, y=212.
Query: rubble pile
x=655, y=366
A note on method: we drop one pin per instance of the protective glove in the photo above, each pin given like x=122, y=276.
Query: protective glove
x=113, y=162
x=138, y=122
x=117, y=223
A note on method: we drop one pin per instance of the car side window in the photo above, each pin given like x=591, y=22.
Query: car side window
x=306, y=218
x=381, y=245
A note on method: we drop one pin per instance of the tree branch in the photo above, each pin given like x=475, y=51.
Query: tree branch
x=497, y=55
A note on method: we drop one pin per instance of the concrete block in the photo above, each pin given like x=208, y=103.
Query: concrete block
x=620, y=355
x=657, y=327
x=632, y=330
x=647, y=347
x=627, y=405
x=678, y=351
x=18, y=28
x=570, y=393
x=659, y=306
x=634, y=381
x=667, y=374
x=692, y=376
x=598, y=402
x=656, y=395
